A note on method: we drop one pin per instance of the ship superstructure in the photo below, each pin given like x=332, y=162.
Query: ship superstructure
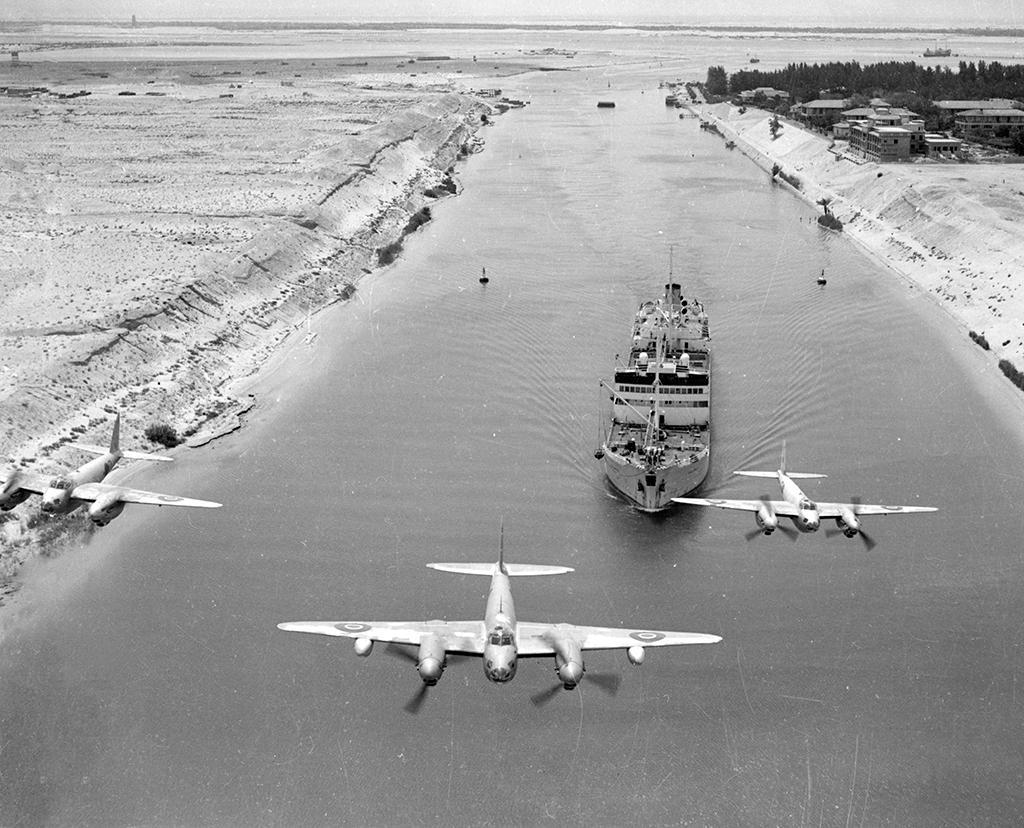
x=658, y=444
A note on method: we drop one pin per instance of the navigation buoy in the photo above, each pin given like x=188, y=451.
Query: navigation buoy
x=483, y=276
x=821, y=279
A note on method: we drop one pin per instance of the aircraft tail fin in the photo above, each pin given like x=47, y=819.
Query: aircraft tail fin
x=782, y=469
x=115, y=446
x=500, y=565
x=501, y=547
x=115, y=437
x=491, y=568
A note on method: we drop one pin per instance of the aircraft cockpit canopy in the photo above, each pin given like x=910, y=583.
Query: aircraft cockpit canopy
x=501, y=637
x=61, y=483
x=807, y=505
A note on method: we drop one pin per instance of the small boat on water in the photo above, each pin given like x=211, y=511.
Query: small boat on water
x=606, y=104
x=658, y=445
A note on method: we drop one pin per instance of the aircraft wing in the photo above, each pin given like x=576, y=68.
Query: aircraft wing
x=458, y=636
x=831, y=510
x=94, y=491
x=538, y=639
x=779, y=507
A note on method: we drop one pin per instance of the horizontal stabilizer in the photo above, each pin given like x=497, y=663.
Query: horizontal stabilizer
x=130, y=455
x=139, y=455
x=491, y=568
x=793, y=475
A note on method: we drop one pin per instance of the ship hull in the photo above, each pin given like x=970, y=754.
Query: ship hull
x=652, y=490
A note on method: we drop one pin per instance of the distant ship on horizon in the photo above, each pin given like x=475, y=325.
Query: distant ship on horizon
x=658, y=445
x=938, y=51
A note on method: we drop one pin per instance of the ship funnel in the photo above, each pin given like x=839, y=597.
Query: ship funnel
x=674, y=292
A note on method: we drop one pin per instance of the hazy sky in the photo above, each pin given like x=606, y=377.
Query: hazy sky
x=874, y=13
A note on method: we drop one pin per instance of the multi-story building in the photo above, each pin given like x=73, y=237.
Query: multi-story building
x=880, y=143
x=988, y=123
x=886, y=133
x=948, y=110
x=748, y=95
x=820, y=113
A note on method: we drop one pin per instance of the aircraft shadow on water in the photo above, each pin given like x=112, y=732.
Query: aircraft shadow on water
x=500, y=639
x=805, y=513
x=65, y=493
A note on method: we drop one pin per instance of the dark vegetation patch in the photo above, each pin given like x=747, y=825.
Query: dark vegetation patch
x=163, y=434
x=979, y=339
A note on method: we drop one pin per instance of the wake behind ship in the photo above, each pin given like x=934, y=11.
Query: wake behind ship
x=658, y=444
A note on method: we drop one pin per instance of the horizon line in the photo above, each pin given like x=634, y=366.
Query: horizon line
x=134, y=22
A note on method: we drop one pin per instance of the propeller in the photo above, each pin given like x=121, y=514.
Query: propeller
x=402, y=654
x=416, y=702
x=869, y=542
x=607, y=683
x=866, y=539
x=544, y=696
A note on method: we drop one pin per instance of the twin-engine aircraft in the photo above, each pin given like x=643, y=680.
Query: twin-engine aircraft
x=805, y=513
x=499, y=638
x=65, y=493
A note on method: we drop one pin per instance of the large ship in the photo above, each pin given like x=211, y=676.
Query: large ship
x=658, y=444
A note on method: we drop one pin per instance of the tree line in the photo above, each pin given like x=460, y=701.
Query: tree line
x=806, y=82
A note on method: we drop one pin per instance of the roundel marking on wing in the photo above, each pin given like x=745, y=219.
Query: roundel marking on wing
x=715, y=501
x=894, y=508
x=646, y=637
x=352, y=627
x=169, y=498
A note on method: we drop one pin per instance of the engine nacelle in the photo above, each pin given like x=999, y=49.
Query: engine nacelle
x=766, y=519
x=635, y=655
x=364, y=646
x=568, y=663
x=106, y=508
x=848, y=522
x=430, y=659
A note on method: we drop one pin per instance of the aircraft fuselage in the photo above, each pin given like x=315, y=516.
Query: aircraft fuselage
x=57, y=498
x=500, y=620
x=808, y=519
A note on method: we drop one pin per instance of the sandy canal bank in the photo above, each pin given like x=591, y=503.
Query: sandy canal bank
x=953, y=229
x=165, y=232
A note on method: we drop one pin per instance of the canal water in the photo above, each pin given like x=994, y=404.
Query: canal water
x=143, y=680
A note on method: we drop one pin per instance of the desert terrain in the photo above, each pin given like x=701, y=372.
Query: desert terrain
x=166, y=226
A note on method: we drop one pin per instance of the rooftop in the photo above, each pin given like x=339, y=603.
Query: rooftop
x=829, y=104
x=992, y=103
x=989, y=113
